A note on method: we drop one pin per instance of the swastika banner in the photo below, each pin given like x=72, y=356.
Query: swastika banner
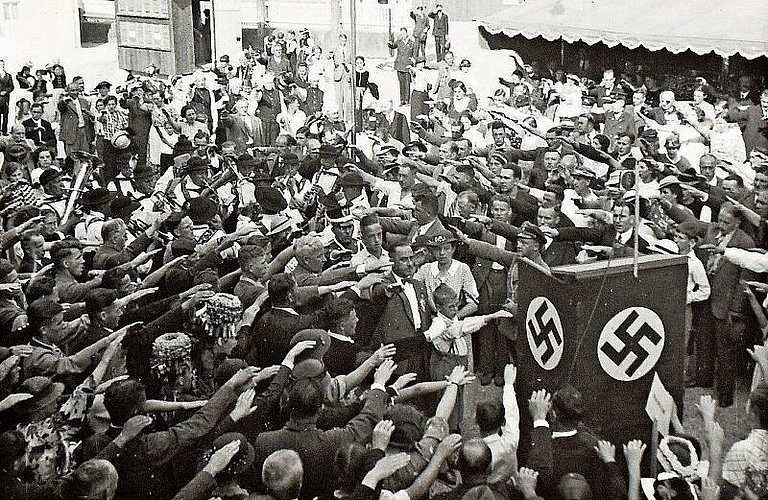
x=636, y=330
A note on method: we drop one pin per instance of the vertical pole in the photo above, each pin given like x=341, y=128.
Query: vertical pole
x=725, y=70
x=335, y=6
x=654, y=447
x=77, y=41
x=562, y=52
x=261, y=11
x=353, y=55
x=389, y=29
x=212, y=24
x=636, y=242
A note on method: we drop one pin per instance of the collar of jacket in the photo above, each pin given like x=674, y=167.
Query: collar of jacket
x=301, y=424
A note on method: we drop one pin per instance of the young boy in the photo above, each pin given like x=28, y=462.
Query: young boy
x=448, y=335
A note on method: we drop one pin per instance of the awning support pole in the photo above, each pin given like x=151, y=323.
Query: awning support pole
x=562, y=52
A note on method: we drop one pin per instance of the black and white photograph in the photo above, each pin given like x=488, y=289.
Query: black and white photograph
x=383, y=250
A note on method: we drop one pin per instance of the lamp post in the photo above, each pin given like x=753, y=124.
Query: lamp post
x=353, y=47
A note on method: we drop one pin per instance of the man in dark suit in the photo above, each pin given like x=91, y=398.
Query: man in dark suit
x=313, y=103
x=624, y=223
x=560, y=445
x=420, y=29
x=253, y=263
x=544, y=158
x=618, y=117
x=268, y=98
x=722, y=318
x=396, y=121
x=665, y=108
x=241, y=127
x=38, y=129
x=753, y=120
x=554, y=252
x=404, y=59
x=523, y=205
x=440, y=31
x=267, y=342
x=317, y=448
x=746, y=95
x=605, y=88
x=424, y=222
x=488, y=343
x=405, y=315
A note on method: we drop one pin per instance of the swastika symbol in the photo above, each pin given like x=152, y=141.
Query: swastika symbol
x=631, y=343
x=545, y=332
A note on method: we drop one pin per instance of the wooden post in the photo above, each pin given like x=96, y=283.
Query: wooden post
x=335, y=7
x=562, y=51
x=654, y=448
x=353, y=55
x=636, y=243
x=389, y=29
x=261, y=11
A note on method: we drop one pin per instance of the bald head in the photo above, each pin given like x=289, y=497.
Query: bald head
x=474, y=458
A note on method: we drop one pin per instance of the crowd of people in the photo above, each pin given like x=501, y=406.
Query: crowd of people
x=257, y=282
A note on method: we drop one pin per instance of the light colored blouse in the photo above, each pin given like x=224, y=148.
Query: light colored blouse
x=458, y=277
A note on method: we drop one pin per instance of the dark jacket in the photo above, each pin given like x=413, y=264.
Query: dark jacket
x=440, y=24
x=107, y=257
x=42, y=135
x=559, y=253
x=554, y=457
x=396, y=325
x=269, y=337
x=404, y=56
x=14, y=489
x=317, y=448
x=6, y=87
x=144, y=465
x=727, y=296
x=68, y=122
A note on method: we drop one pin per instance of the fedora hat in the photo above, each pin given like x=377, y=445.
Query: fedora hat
x=322, y=343
x=415, y=145
x=143, y=172
x=669, y=180
x=243, y=459
x=270, y=200
x=97, y=196
x=278, y=225
x=201, y=210
x=328, y=150
x=583, y=172
x=44, y=392
x=348, y=179
x=664, y=246
x=197, y=164
x=123, y=206
x=441, y=238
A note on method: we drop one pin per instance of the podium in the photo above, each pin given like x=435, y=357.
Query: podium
x=607, y=333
